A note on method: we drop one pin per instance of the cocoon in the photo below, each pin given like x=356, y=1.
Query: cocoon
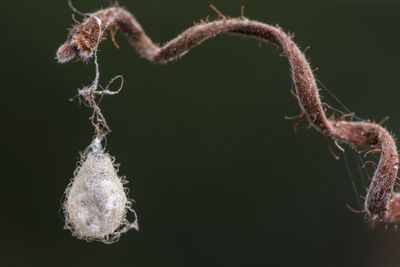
x=96, y=204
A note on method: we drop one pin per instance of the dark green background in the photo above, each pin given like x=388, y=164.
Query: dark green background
x=219, y=176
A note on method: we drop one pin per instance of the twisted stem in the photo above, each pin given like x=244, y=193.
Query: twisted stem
x=381, y=203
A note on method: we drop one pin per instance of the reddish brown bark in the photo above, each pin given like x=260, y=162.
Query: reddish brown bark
x=381, y=203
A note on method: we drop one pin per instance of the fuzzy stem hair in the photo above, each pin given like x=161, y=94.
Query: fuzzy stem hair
x=381, y=203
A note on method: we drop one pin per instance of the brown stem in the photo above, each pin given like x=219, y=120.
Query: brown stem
x=381, y=204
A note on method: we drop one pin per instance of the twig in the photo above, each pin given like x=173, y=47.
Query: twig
x=380, y=200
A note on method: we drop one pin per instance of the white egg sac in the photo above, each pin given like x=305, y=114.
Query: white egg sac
x=96, y=204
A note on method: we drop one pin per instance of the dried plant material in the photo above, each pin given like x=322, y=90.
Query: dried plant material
x=381, y=203
x=96, y=203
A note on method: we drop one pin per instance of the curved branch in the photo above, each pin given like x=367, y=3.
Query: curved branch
x=381, y=204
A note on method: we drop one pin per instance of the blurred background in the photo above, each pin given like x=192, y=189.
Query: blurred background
x=218, y=175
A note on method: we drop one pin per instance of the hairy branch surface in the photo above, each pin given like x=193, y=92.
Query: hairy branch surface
x=381, y=203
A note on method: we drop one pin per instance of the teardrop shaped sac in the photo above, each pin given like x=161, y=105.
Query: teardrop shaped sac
x=96, y=204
